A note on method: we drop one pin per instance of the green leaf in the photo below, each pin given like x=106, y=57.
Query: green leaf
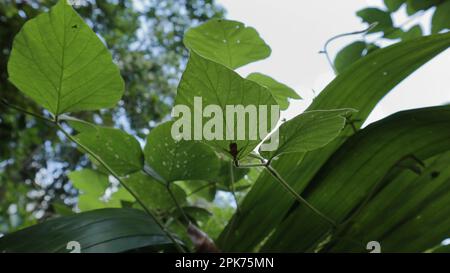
x=104, y=230
x=417, y=5
x=196, y=189
x=224, y=177
x=152, y=193
x=309, y=131
x=393, y=5
x=280, y=92
x=376, y=74
x=227, y=42
x=418, y=204
x=119, y=150
x=394, y=33
x=372, y=15
x=412, y=33
x=348, y=55
x=59, y=62
x=441, y=18
x=219, y=86
x=179, y=160
x=92, y=186
x=352, y=173
x=62, y=209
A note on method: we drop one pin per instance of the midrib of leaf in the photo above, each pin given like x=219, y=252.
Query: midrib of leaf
x=121, y=237
x=298, y=132
x=228, y=46
x=58, y=101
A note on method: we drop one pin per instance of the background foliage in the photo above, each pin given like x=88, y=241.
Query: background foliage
x=324, y=188
x=147, y=44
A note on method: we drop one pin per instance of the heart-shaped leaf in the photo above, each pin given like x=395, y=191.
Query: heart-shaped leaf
x=153, y=194
x=309, y=131
x=175, y=159
x=230, y=106
x=119, y=150
x=227, y=42
x=59, y=62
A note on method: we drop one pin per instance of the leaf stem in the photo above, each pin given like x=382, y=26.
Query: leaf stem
x=279, y=178
x=180, y=209
x=19, y=109
x=233, y=189
x=325, y=47
x=115, y=175
x=300, y=199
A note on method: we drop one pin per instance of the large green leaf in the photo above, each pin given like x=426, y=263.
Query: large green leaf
x=59, y=62
x=92, y=186
x=227, y=42
x=349, y=176
x=179, y=160
x=418, y=212
x=441, y=17
x=309, y=131
x=104, y=230
x=359, y=87
x=280, y=92
x=349, y=55
x=218, y=86
x=117, y=149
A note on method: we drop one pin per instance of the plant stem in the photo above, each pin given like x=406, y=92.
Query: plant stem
x=180, y=209
x=300, y=199
x=325, y=47
x=201, y=188
x=19, y=109
x=115, y=175
x=233, y=189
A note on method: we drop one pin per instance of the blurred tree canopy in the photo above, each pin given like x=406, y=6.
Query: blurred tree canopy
x=145, y=38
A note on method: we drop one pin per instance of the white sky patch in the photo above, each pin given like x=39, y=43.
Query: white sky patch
x=296, y=31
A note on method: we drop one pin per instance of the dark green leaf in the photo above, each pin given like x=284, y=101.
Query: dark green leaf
x=348, y=55
x=417, y=5
x=352, y=173
x=393, y=5
x=376, y=75
x=372, y=15
x=417, y=204
x=441, y=17
x=104, y=230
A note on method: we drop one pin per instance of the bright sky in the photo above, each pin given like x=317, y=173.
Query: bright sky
x=296, y=31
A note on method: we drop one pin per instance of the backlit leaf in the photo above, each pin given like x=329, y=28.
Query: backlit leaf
x=59, y=62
